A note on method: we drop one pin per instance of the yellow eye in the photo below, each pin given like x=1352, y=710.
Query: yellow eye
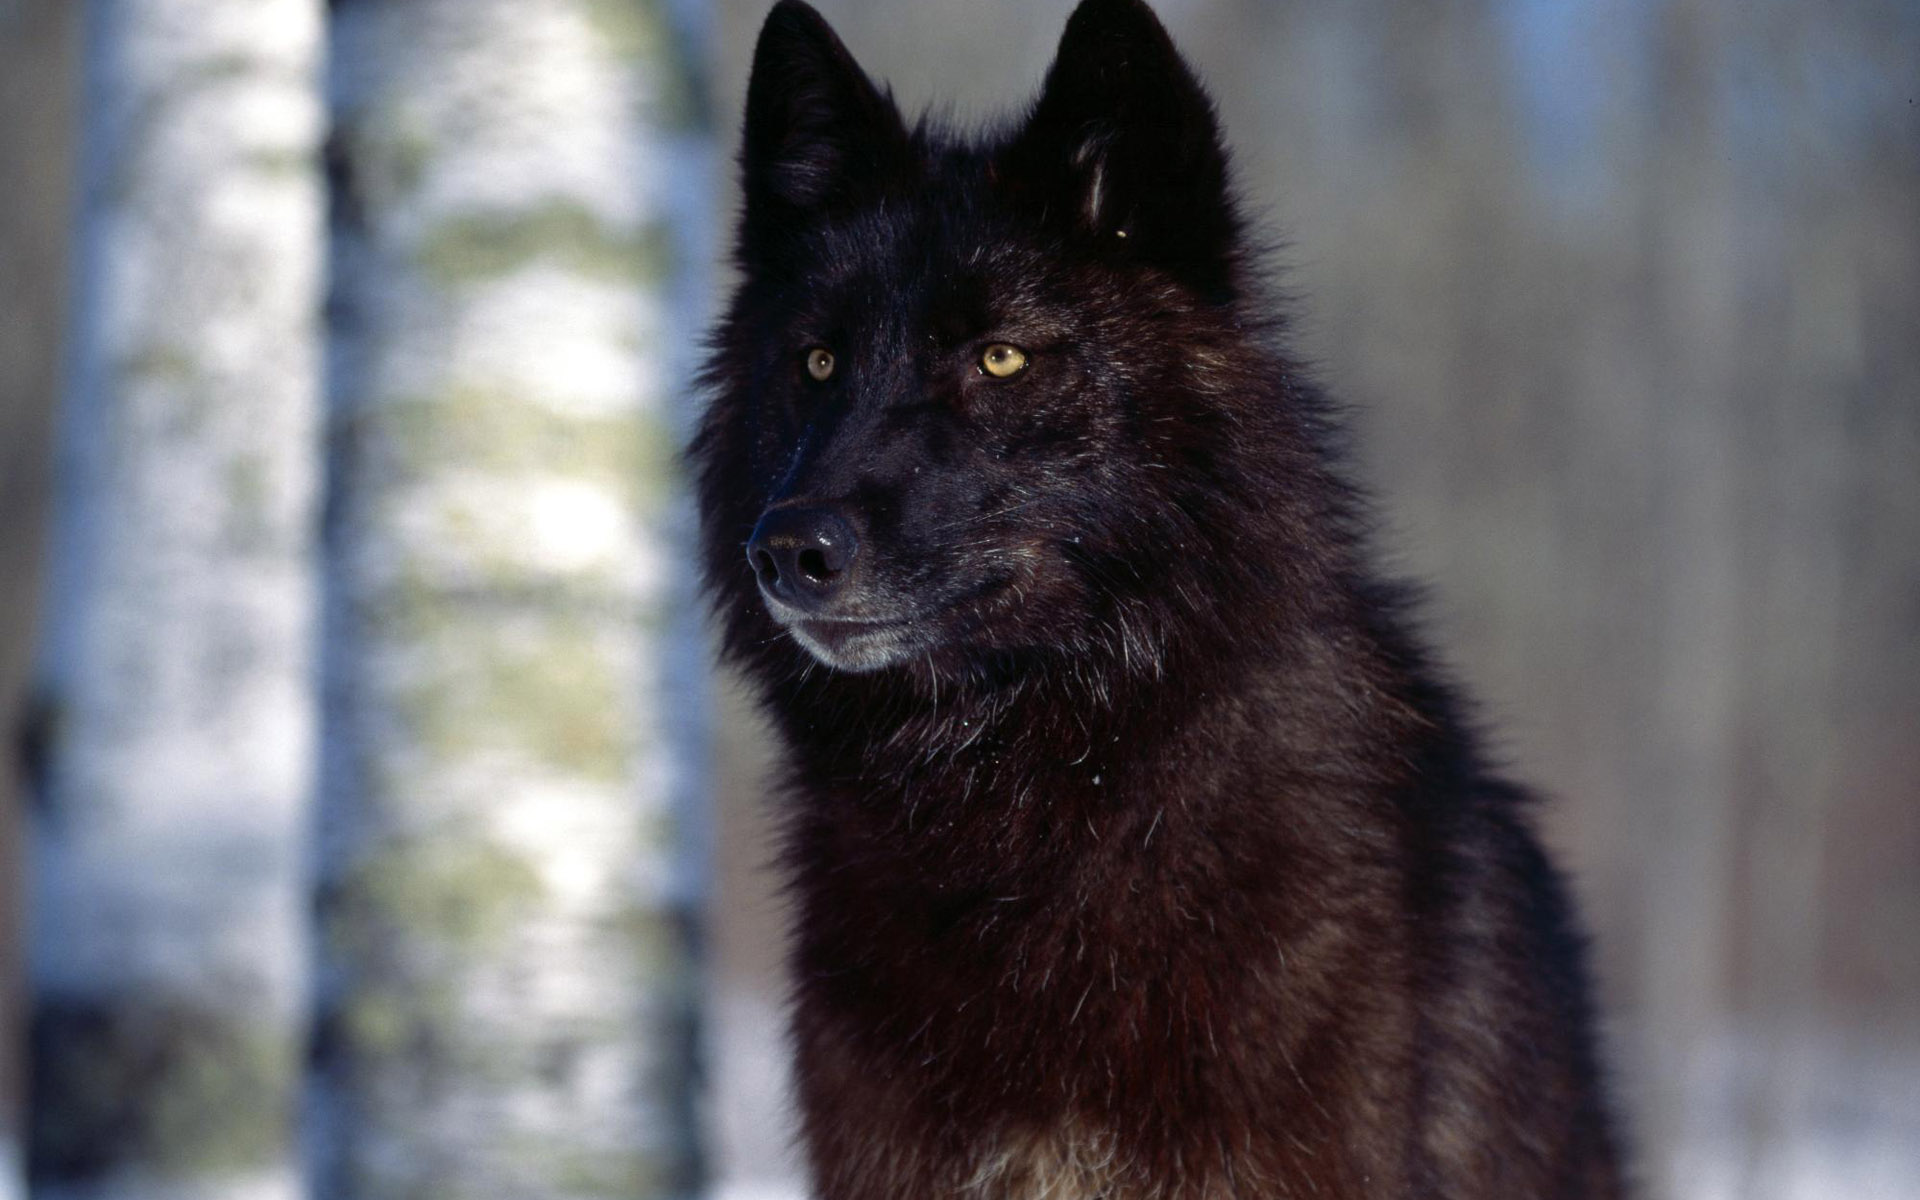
x=1003, y=361
x=820, y=363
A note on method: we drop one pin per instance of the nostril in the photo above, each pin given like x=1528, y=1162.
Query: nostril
x=813, y=565
x=803, y=556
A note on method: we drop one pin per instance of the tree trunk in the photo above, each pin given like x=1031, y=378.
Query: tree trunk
x=39, y=46
x=513, y=708
x=175, y=716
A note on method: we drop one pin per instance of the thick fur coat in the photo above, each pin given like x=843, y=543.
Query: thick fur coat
x=1137, y=849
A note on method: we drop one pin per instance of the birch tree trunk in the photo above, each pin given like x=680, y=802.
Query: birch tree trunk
x=168, y=893
x=513, y=709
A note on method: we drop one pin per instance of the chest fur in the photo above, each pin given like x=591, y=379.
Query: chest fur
x=1069, y=1161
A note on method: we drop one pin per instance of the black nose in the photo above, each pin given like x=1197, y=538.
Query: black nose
x=803, y=556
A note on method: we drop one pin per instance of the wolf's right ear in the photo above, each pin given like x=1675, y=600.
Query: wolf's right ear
x=818, y=132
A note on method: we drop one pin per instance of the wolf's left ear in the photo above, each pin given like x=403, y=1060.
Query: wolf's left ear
x=1123, y=144
x=818, y=132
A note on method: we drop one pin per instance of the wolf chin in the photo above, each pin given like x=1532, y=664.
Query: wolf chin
x=1137, y=848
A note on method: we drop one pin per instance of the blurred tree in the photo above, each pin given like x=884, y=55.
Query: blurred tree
x=172, y=742
x=512, y=707
x=38, y=52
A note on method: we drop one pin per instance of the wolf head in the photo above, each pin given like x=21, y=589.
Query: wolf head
x=985, y=404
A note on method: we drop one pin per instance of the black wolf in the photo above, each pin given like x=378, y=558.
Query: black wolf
x=1138, y=850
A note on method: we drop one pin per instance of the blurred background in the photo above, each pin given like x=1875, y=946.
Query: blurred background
x=1625, y=298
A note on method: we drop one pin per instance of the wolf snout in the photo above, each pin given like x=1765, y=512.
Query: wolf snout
x=803, y=556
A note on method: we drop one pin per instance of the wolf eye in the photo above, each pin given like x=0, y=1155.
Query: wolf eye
x=820, y=363
x=1003, y=361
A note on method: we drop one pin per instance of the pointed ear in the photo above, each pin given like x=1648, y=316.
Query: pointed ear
x=1123, y=145
x=818, y=132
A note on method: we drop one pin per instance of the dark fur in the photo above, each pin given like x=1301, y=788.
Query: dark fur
x=1140, y=852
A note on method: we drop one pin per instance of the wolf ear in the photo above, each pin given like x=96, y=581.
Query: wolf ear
x=1123, y=144
x=818, y=132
